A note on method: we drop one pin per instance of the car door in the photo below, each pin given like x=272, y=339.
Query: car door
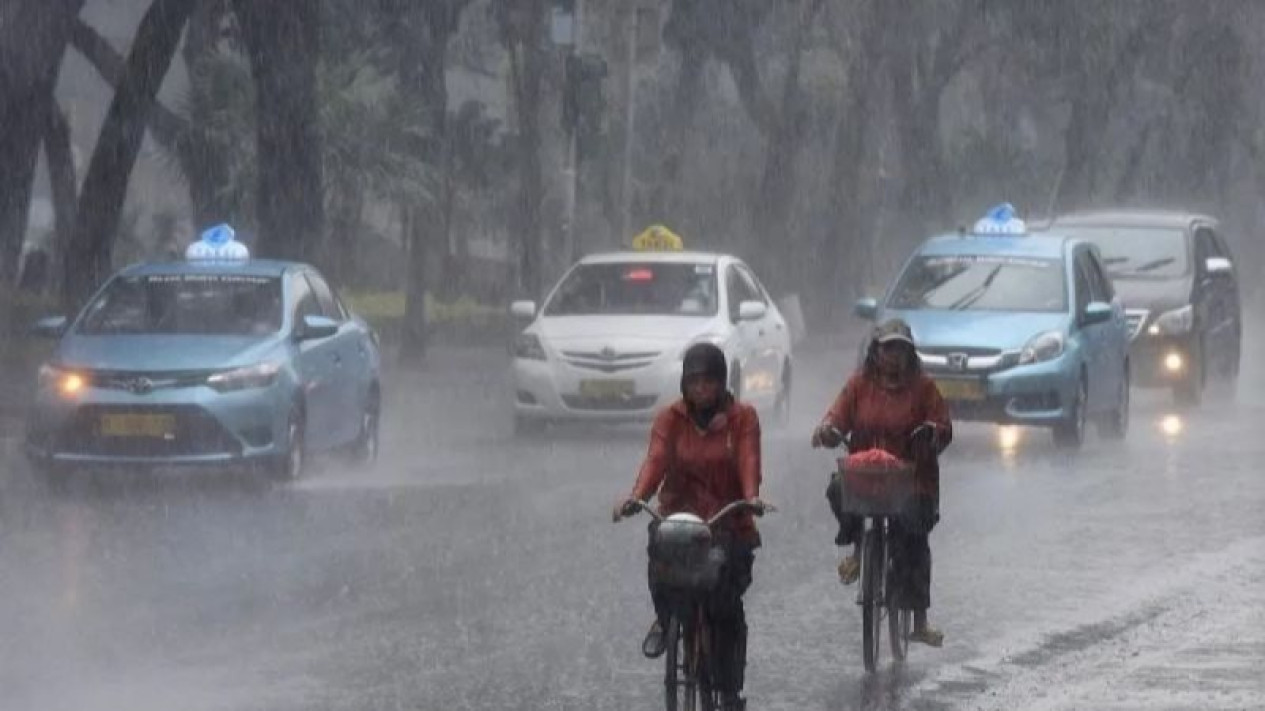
x=747, y=340
x=774, y=338
x=1089, y=336
x=350, y=382
x=1114, y=335
x=316, y=364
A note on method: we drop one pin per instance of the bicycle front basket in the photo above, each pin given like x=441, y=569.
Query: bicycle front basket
x=682, y=554
x=875, y=490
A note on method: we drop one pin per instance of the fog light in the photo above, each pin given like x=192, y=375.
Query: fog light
x=1154, y=329
x=1171, y=425
x=1008, y=437
x=1173, y=362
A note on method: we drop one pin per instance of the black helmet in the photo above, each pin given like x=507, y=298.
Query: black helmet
x=704, y=359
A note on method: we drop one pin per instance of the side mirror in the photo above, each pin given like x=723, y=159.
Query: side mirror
x=315, y=328
x=1096, y=313
x=523, y=309
x=752, y=310
x=1218, y=265
x=51, y=327
x=866, y=308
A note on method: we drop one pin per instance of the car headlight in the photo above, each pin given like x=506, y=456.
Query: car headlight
x=62, y=381
x=1175, y=322
x=529, y=347
x=1043, y=347
x=250, y=377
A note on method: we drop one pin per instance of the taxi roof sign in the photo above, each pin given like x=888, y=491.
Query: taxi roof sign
x=1001, y=220
x=658, y=238
x=217, y=244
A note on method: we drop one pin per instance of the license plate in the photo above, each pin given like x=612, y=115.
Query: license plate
x=606, y=389
x=972, y=390
x=132, y=425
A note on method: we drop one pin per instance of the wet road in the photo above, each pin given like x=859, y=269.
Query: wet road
x=470, y=570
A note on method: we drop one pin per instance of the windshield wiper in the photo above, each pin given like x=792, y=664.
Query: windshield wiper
x=1115, y=260
x=978, y=292
x=1154, y=264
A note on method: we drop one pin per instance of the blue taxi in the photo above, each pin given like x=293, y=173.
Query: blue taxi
x=1017, y=328
x=214, y=360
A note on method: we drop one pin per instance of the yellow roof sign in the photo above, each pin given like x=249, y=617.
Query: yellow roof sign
x=658, y=238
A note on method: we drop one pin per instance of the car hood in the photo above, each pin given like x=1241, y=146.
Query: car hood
x=163, y=353
x=978, y=329
x=598, y=332
x=1155, y=295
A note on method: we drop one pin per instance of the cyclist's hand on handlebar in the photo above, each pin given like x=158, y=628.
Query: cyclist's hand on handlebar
x=827, y=436
x=625, y=508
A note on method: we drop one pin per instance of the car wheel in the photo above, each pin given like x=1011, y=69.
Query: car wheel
x=290, y=464
x=365, y=449
x=1070, y=434
x=1115, y=425
x=1190, y=391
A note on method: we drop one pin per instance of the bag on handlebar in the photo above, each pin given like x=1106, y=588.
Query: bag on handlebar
x=875, y=483
x=684, y=554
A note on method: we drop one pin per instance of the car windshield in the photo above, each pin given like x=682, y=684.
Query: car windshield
x=637, y=288
x=981, y=283
x=1138, y=252
x=186, y=304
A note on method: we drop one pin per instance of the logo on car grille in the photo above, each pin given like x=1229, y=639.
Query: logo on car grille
x=958, y=361
x=139, y=386
x=607, y=353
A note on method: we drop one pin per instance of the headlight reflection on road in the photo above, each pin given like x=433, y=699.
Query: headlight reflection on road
x=1009, y=437
x=1172, y=425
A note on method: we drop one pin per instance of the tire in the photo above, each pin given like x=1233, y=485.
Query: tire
x=673, y=688
x=289, y=466
x=871, y=599
x=1115, y=424
x=1190, y=391
x=364, y=450
x=899, y=624
x=1070, y=434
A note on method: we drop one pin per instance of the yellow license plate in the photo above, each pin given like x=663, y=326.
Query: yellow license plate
x=606, y=389
x=131, y=425
x=972, y=390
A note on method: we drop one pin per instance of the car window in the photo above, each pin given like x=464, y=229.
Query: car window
x=761, y=294
x=981, y=283
x=330, y=307
x=1137, y=252
x=304, y=300
x=1084, y=288
x=739, y=289
x=186, y=304
x=1205, y=248
x=1099, y=283
x=628, y=288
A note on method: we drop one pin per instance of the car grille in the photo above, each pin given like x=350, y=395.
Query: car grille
x=609, y=361
x=638, y=402
x=197, y=432
x=146, y=382
x=970, y=352
x=1136, y=319
x=946, y=359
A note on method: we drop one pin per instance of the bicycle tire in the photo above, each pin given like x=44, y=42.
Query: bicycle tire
x=671, y=663
x=871, y=598
x=899, y=623
x=707, y=700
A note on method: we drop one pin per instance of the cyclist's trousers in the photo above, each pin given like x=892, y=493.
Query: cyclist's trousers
x=727, y=617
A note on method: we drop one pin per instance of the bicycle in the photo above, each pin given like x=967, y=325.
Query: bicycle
x=688, y=563
x=878, y=496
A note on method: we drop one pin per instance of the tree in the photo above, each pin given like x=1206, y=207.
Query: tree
x=33, y=40
x=88, y=256
x=282, y=39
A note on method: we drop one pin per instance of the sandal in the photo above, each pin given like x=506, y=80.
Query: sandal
x=928, y=635
x=849, y=570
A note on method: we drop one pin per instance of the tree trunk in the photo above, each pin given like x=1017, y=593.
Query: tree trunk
x=88, y=257
x=65, y=186
x=283, y=41
x=33, y=39
x=527, y=67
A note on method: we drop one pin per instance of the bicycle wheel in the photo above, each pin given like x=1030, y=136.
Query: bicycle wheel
x=899, y=623
x=704, y=648
x=673, y=684
x=871, y=597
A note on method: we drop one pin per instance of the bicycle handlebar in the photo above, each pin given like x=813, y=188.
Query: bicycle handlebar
x=720, y=515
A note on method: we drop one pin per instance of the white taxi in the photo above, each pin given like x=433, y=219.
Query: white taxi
x=607, y=343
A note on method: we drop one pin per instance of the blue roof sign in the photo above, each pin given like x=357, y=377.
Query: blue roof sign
x=1001, y=220
x=218, y=244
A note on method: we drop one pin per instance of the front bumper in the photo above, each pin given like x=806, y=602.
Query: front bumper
x=556, y=391
x=1162, y=361
x=1036, y=395
x=206, y=427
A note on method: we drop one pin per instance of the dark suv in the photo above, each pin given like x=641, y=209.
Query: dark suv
x=1181, y=294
